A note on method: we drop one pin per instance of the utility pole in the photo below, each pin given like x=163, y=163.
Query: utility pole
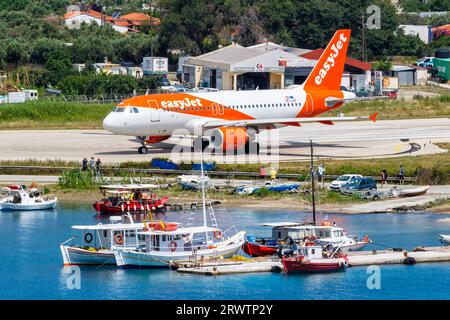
x=312, y=184
x=363, y=39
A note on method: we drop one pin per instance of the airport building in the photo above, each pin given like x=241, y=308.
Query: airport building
x=262, y=66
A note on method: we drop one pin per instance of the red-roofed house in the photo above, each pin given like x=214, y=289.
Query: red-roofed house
x=357, y=74
x=135, y=20
x=74, y=20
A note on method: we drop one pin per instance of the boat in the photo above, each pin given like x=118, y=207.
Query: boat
x=444, y=239
x=304, y=232
x=193, y=182
x=194, y=244
x=411, y=192
x=97, y=242
x=313, y=259
x=22, y=199
x=275, y=186
x=133, y=198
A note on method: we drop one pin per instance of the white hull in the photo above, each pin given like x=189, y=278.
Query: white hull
x=79, y=256
x=354, y=247
x=50, y=204
x=445, y=239
x=132, y=258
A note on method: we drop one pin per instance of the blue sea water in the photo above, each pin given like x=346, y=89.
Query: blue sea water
x=31, y=263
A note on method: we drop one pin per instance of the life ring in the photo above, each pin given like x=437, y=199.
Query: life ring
x=118, y=239
x=173, y=246
x=218, y=234
x=88, y=237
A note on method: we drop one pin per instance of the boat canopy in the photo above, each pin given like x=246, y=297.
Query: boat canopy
x=282, y=224
x=111, y=226
x=179, y=231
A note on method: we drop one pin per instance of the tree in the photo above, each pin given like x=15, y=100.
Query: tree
x=45, y=48
x=59, y=68
x=249, y=28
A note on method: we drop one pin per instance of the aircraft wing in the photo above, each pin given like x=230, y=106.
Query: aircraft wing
x=279, y=121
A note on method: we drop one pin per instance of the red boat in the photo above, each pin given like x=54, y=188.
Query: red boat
x=312, y=259
x=121, y=199
x=256, y=249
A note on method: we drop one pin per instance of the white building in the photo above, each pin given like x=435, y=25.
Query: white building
x=424, y=32
x=74, y=20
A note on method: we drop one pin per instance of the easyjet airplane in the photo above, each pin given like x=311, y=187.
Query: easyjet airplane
x=231, y=117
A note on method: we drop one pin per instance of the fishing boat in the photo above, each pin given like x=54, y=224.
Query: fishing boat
x=444, y=239
x=304, y=232
x=411, y=192
x=182, y=245
x=312, y=259
x=133, y=198
x=97, y=241
x=275, y=186
x=22, y=199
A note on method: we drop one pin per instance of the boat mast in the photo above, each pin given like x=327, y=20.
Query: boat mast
x=312, y=184
x=203, y=187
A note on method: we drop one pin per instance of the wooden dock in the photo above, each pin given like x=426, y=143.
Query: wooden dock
x=355, y=259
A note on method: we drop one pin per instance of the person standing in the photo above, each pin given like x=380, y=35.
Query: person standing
x=401, y=175
x=383, y=177
x=98, y=163
x=92, y=165
x=84, y=164
x=320, y=174
x=273, y=174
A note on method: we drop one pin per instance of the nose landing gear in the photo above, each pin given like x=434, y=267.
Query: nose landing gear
x=143, y=149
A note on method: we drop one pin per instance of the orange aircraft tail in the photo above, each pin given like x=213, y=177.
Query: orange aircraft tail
x=327, y=74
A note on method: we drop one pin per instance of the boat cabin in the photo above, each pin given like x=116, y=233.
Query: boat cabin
x=113, y=235
x=311, y=252
x=181, y=239
x=297, y=231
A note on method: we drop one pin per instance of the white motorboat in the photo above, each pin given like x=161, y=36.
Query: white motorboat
x=193, y=182
x=26, y=200
x=411, y=192
x=444, y=239
x=98, y=240
x=322, y=234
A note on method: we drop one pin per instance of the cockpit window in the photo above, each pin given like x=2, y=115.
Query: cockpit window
x=120, y=110
x=135, y=110
x=114, y=109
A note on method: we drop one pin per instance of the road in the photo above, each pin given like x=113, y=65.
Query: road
x=346, y=140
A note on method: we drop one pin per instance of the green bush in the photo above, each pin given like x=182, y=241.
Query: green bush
x=77, y=179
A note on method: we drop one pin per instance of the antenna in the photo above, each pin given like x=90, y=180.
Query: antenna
x=312, y=184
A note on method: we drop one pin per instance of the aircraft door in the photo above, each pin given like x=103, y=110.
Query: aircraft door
x=309, y=104
x=154, y=110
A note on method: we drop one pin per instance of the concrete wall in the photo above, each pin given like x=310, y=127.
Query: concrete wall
x=276, y=81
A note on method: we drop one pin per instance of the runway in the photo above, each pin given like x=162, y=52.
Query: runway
x=349, y=140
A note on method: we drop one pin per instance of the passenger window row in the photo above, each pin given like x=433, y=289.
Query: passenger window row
x=250, y=106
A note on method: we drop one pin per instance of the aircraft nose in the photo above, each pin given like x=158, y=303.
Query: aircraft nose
x=111, y=123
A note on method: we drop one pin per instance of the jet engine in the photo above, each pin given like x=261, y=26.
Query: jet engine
x=232, y=138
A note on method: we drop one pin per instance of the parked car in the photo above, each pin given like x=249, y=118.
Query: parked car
x=359, y=184
x=426, y=62
x=346, y=178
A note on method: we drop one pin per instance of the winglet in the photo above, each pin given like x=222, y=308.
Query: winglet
x=374, y=117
